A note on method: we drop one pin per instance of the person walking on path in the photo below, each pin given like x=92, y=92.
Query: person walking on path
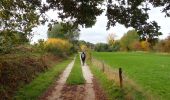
x=83, y=57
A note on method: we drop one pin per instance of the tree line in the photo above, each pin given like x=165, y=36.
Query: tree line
x=130, y=41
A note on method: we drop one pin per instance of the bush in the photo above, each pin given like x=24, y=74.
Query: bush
x=163, y=45
x=58, y=46
x=101, y=47
x=17, y=71
x=39, y=47
x=11, y=39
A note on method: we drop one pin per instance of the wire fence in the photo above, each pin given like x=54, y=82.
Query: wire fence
x=119, y=77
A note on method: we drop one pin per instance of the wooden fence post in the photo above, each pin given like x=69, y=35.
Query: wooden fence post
x=120, y=77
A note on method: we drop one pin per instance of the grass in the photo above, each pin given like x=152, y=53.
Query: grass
x=33, y=90
x=149, y=70
x=113, y=92
x=76, y=75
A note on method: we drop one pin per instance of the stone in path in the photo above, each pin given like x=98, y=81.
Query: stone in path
x=55, y=95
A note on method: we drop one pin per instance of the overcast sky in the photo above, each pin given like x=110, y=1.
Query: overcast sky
x=98, y=32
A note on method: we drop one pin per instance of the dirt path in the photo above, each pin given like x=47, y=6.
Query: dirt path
x=89, y=90
x=56, y=92
x=73, y=92
x=80, y=92
x=62, y=91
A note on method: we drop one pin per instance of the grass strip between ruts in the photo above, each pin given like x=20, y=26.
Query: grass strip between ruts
x=76, y=75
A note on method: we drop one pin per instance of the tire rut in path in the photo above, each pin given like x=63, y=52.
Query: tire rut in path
x=55, y=95
x=89, y=90
x=88, y=76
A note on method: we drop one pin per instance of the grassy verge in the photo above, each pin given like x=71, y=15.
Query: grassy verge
x=33, y=90
x=76, y=75
x=112, y=90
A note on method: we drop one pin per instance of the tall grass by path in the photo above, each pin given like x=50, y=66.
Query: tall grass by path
x=76, y=75
x=33, y=90
x=149, y=70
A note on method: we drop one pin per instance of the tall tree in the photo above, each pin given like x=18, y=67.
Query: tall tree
x=65, y=31
x=111, y=39
x=19, y=15
x=128, y=39
x=17, y=18
x=163, y=45
x=131, y=13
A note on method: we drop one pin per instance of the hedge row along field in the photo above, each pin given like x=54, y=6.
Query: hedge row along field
x=149, y=70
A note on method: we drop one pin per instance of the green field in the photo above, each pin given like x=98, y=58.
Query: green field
x=151, y=71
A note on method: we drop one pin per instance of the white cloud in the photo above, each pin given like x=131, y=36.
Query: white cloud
x=164, y=22
x=98, y=32
x=40, y=32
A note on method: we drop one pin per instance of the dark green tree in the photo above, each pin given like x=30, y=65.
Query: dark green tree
x=65, y=31
x=101, y=47
x=130, y=13
x=23, y=15
x=17, y=18
x=19, y=15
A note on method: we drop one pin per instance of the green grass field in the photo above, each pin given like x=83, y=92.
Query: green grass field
x=33, y=90
x=151, y=71
x=76, y=75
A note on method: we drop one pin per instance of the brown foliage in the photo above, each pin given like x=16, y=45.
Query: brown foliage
x=16, y=71
x=136, y=46
x=163, y=45
x=145, y=45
